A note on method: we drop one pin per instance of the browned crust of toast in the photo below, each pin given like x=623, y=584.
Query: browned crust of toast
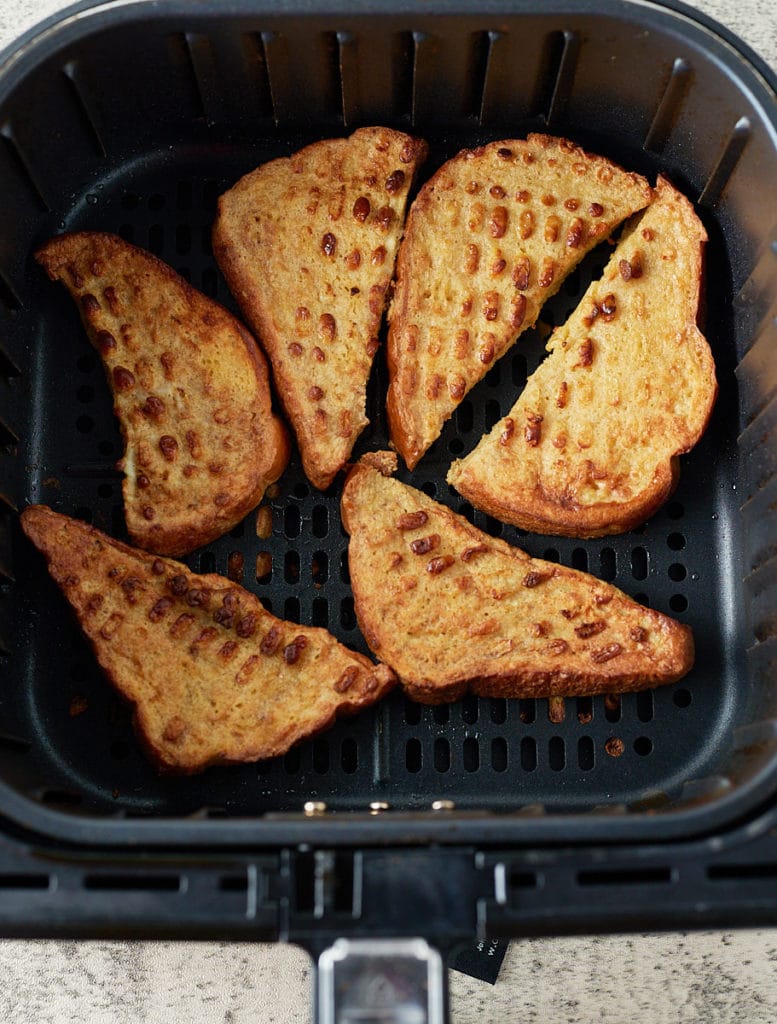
x=214, y=678
x=474, y=311
x=452, y=609
x=307, y=245
x=638, y=386
x=180, y=367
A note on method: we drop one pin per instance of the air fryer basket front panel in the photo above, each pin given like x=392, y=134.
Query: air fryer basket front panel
x=134, y=121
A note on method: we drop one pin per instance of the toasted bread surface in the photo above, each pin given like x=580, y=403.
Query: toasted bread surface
x=451, y=609
x=190, y=390
x=214, y=678
x=489, y=238
x=591, y=446
x=307, y=245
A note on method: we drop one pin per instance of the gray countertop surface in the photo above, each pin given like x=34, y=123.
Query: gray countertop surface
x=682, y=978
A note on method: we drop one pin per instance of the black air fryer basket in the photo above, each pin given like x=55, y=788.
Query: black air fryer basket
x=486, y=817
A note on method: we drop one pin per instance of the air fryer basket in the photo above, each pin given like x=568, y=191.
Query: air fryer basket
x=133, y=118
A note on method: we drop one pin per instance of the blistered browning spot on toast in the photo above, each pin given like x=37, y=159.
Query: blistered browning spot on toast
x=585, y=354
x=497, y=224
x=168, y=446
x=517, y=311
x=557, y=647
x=461, y=345
x=113, y=622
x=424, y=545
x=471, y=552
x=271, y=640
x=471, y=258
x=487, y=349
x=105, y=342
x=412, y=520
x=521, y=273
x=437, y=565
x=328, y=244
x=361, y=209
x=123, y=379
x=526, y=225
x=533, y=430
x=589, y=629
x=638, y=634
x=347, y=679
x=160, y=609
x=575, y=233
x=293, y=651
x=327, y=327
x=547, y=272
x=457, y=387
x=247, y=669
x=603, y=654
x=90, y=305
x=507, y=431
x=378, y=256
x=181, y=624
x=534, y=578
x=552, y=228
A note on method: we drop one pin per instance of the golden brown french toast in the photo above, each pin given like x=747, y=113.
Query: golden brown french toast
x=451, y=609
x=214, y=678
x=307, y=245
x=190, y=391
x=489, y=238
x=591, y=446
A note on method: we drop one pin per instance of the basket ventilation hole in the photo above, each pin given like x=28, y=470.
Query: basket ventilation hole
x=528, y=754
x=643, y=746
x=471, y=754
x=349, y=756
x=677, y=572
x=580, y=559
x=675, y=541
x=612, y=707
x=320, y=612
x=413, y=758
x=645, y=705
x=682, y=698
x=499, y=754
x=413, y=712
x=585, y=753
x=442, y=754
x=678, y=602
x=498, y=710
x=556, y=754
x=639, y=563
x=527, y=710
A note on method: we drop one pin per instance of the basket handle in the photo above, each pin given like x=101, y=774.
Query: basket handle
x=381, y=981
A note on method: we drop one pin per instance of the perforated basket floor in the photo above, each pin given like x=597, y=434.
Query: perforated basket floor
x=68, y=740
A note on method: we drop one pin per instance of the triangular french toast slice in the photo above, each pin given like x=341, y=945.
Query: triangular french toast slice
x=591, y=446
x=488, y=240
x=451, y=609
x=214, y=678
x=307, y=245
x=190, y=390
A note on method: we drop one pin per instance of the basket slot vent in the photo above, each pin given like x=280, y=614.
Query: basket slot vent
x=9, y=296
x=627, y=876
x=116, y=882
x=23, y=167
x=422, y=77
x=348, y=70
x=759, y=516
x=756, y=294
x=565, y=50
x=295, y=68
x=16, y=743
x=741, y=872
x=669, y=106
x=764, y=423
x=24, y=881
x=757, y=371
x=496, y=49
x=86, y=107
x=254, y=65
x=8, y=439
x=724, y=168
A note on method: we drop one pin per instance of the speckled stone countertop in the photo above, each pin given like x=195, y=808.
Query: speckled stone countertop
x=682, y=978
